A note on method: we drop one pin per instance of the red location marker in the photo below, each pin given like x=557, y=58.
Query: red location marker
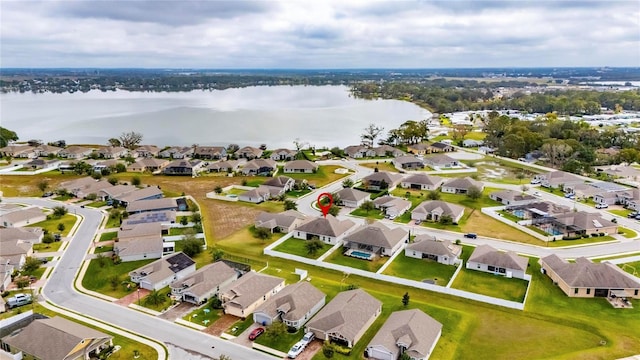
x=325, y=208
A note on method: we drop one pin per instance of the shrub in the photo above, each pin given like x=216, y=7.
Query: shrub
x=91, y=197
x=327, y=350
x=48, y=239
x=594, y=235
x=585, y=236
x=602, y=234
x=341, y=349
x=4, y=294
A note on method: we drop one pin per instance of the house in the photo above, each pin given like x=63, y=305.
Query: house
x=227, y=166
x=112, y=152
x=256, y=195
x=300, y=166
x=391, y=205
x=152, y=205
x=582, y=222
x=148, y=164
x=176, y=152
x=243, y=296
x=629, y=198
x=146, y=151
x=427, y=247
x=434, y=210
x=461, y=185
x=422, y=182
x=294, y=305
x=554, y=179
x=47, y=150
x=15, y=252
x=75, y=152
x=162, y=217
x=31, y=235
x=441, y=161
x=19, y=151
x=328, y=229
x=472, y=143
x=376, y=239
x=387, y=151
x=56, y=338
x=345, y=318
x=381, y=180
x=607, y=197
x=283, y=155
x=259, y=167
x=20, y=218
x=183, y=167
x=37, y=164
x=620, y=172
x=249, y=152
x=139, y=241
x=283, y=222
x=408, y=162
x=418, y=149
x=111, y=192
x=584, y=278
x=511, y=197
x=6, y=270
x=487, y=259
x=162, y=272
x=409, y=332
x=438, y=147
x=359, y=151
x=210, y=152
x=204, y=284
x=147, y=193
x=353, y=198
x=279, y=185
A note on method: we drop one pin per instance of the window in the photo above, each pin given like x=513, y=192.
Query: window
x=588, y=291
x=635, y=292
x=491, y=268
x=575, y=291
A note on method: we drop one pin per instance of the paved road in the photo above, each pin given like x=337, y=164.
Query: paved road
x=59, y=290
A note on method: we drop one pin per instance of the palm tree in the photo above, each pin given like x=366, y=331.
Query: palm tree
x=154, y=298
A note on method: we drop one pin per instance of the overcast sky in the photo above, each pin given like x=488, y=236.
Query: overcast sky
x=319, y=33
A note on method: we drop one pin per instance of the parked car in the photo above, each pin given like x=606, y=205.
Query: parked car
x=392, y=217
x=601, y=206
x=471, y=235
x=296, y=350
x=308, y=337
x=569, y=195
x=535, y=181
x=632, y=215
x=255, y=333
x=537, y=194
x=418, y=222
x=18, y=300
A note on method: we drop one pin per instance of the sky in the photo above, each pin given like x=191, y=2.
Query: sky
x=318, y=34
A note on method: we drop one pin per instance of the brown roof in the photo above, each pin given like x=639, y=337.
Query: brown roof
x=429, y=245
x=294, y=301
x=283, y=219
x=350, y=194
x=258, y=163
x=53, y=339
x=463, y=183
x=251, y=287
x=391, y=179
x=485, y=254
x=423, y=179
x=440, y=207
x=377, y=234
x=413, y=329
x=206, y=278
x=30, y=234
x=584, y=220
x=300, y=164
x=329, y=226
x=346, y=314
x=587, y=274
x=278, y=181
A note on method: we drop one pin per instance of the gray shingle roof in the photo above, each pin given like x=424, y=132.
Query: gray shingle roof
x=440, y=207
x=584, y=220
x=429, y=245
x=463, y=183
x=300, y=165
x=350, y=194
x=27, y=234
x=424, y=179
x=250, y=287
x=411, y=328
x=485, y=254
x=283, y=219
x=206, y=278
x=377, y=234
x=329, y=226
x=390, y=178
x=163, y=268
x=294, y=301
x=346, y=314
x=154, y=204
x=512, y=195
x=584, y=273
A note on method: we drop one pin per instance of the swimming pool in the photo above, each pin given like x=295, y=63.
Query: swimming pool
x=554, y=231
x=360, y=255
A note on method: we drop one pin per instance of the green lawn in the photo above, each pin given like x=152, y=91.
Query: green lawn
x=615, y=257
x=298, y=247
x=42, y=247
x=373, y=214
x=581, y=241
x=282, y=342
x=420, y=269
x=180, y=244
x=621, y=212
x=632, y=268
x=103, y=249
x=240, y=326
x=298, y=193
x=161, y=305
x=509, y=216
x=97, y=204
x=98, y=278
x=63, y=197
x=322, y=177
x=180, y=231
x=491, y=285
x=199, y=316
x=107, y=236
x=52, y=225
x=381, y=165
x=628, y=233
x=112, y=223
x=338, y=258
x=235, y=191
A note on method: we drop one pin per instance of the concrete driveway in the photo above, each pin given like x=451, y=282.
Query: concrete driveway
x=243, y=339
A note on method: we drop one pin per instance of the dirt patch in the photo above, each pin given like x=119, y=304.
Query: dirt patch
x=132, y=298
x=229, y=217
x=222, y=324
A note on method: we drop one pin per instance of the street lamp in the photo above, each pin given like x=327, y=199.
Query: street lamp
x=138, y=296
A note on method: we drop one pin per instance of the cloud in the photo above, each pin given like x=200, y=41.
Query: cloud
x=319, y=34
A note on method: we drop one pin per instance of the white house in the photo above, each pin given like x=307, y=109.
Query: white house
x=294, y=305
x=162, y=272
x=330, y=230
x=427, y=247
x=205, y=283
x=435, y=209
x=353, y=198
x=376, y=239
x=391, y=205
x=461, y=185
x=300, y=166
x=511, y=197
x=422, y=182
x=487, y=259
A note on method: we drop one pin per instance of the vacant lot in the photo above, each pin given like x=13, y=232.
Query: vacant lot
x=103, y=278
x=491, y=285
x=420, y=269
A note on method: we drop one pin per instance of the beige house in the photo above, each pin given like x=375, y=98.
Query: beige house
x=582, y=222
x=147, y=164
x=283, y=222
x=20, y=218
x=376, y=239
x=146, y=151
x=249, y=152
x=427, y=247
x=410, y=332
x=205, y=283
x=391, y=205
x=300, y=166
x=162, y=272
x=418, y=149
x=75, y=152
x=329, y=230
x=511, y=197
x=243, y=296
x=585, y=278
x=55, y=339
x=489, y=260
x=294, y=305
x=346, y=318
x=283, y=155
x=461, y=185
x=434, y=210
x=353, y=198
x=381, y=180
x=422, y=182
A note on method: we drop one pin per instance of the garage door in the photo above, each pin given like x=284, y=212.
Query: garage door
x=261, y=319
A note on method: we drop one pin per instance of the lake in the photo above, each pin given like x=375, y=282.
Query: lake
x=319, y=115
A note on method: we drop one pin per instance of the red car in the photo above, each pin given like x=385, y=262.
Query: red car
x=255, y=333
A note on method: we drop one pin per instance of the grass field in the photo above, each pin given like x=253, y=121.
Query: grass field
x=240, y=326
x=420, y=269
x=97, y=204
x=51, y=225
x=298, y=247
x=103, y=249
x=99, y=278
x=491, y=285
x=283, y=342
x=382, y=165
x=325, y=175
x=581, y=241
x=201, y=315
x=337, y=257
x=107, y=236
x=42, y=247
x=373, y=214
x=628, y=233
x=621, y=212
x=632, y=268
